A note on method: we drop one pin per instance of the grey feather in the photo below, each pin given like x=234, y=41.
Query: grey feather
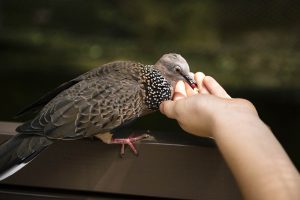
x=98, y=101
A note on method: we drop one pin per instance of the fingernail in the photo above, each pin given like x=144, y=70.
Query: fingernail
x=180, y=83
x=208, y=79
x=199, y=75
x=180, y=86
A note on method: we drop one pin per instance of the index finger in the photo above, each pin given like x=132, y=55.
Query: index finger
x=215, y=88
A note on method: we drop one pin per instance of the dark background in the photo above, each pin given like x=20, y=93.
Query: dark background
x=250, y=47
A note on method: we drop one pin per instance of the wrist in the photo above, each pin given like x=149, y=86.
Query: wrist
x=234, y=118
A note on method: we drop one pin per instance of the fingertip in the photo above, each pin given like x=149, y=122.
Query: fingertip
x=210, y=82
x=208, y=79
x=199, y=76
x=179, y=91
x=214, y=87
x=180, y=85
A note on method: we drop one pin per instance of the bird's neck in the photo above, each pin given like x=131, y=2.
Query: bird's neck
x=157, y=88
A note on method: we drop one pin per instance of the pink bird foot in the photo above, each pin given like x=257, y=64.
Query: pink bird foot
x=130, y=142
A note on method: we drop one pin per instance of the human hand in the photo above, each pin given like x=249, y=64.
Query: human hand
x=246, y=143
x=200, y=113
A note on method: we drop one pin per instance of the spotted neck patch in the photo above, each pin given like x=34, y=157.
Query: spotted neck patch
x=158, y=89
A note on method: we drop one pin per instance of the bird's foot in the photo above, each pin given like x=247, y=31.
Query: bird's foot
x=130, y=142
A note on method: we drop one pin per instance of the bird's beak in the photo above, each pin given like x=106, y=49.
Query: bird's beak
x=192, y=83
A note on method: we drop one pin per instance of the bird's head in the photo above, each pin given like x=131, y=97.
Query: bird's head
x=175, y=68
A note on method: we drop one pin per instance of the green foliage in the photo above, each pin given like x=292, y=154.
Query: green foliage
x=242, y=43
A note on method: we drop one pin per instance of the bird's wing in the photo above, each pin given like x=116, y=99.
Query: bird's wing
x=99, y=71
x=89, y=107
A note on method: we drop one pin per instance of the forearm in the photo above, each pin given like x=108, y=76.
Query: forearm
x=258, y=162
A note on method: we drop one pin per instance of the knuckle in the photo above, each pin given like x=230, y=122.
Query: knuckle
x=246, y=104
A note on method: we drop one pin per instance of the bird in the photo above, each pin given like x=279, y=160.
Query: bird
x=94, y=104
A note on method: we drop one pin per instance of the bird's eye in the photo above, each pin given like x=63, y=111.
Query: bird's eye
x=177, y=69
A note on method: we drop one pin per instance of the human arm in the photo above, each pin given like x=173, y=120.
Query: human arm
x=257, y=160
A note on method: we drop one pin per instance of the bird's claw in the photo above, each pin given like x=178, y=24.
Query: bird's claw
x=130, y=142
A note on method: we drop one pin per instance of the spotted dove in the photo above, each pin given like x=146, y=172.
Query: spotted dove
x=96, y=102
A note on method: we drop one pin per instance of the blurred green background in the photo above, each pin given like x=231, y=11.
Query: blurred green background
x=250, y=47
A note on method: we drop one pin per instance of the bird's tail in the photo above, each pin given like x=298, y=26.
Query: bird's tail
x=19, y=151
